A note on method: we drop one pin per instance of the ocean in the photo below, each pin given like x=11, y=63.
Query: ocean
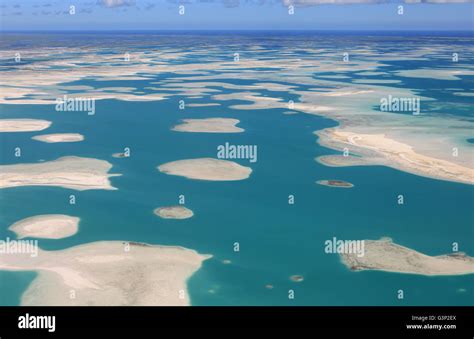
x=276, y=239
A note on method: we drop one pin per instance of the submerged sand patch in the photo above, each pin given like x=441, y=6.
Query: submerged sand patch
x=210, y=125
x=384, y=255
x=69, y=172
x=207, y=169
x=173, y=212
x=23, y=125
x=49, y=226
x=108, y=273
x=59, y=137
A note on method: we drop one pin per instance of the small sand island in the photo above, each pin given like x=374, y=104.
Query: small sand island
x=335, y=183
x=174, y=212
x=108, y=273
x=120, y=155
x=297, y=278
x=69, y=172
x=48, y=226
x=59, y=137
x=23, y=125
x=210, y=125
x=384, y=255
x=207, y=169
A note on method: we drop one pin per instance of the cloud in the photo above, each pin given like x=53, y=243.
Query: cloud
x=348, y=2
x=439, y=1
x=330, y=2
x=149, y=6
x=116, y=3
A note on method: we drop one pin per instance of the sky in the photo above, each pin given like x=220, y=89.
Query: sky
x=46, y=15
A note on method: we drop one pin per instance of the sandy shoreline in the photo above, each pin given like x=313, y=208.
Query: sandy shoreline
x=59, y=137
x=69, y=172
x=384, y=255
x=209, y=125
x=49, y=226
x=108, y=273
x=23, y=125
x=206, y=169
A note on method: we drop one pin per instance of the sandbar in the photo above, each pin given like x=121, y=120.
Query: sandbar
x=49, y=226
x=335, y=183
x=119, y=155
x=69, y=172
x=384, y=255
x=210, y=125
x=378, y=149
x=59, y=137
x=108, y=273
x=174, y=212
x=23, y=125
x=206, y=169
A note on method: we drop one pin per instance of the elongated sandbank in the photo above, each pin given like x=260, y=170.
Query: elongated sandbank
x=59, y=137
x=49, y=226
x=23, y=125
x=108, y=273
x=210, y=125
x=207, y=169
x=377, y=149
x=69, y=172
x=335, y=183
x=174, y=212
x=384, y=255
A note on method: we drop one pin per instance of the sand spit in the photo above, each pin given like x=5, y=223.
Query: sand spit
x=377, y=149
x=49, y=226
x=59, y=137
x=384, y=255
x=69, y=172
x=108, y=273
x=174, y=212
x=210, y=125
x=341, y=161
x=23, y=125
x=206, y=169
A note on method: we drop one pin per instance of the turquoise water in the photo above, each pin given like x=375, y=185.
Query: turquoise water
x=276, y=239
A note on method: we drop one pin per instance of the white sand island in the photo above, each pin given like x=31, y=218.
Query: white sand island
x=210, y=125
x=108, y=273
x=50, y=226
x=59, y=137
x=174, y=212
x=384, y=255
x=207, y=169
x=23, y=125
x=68, y=172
